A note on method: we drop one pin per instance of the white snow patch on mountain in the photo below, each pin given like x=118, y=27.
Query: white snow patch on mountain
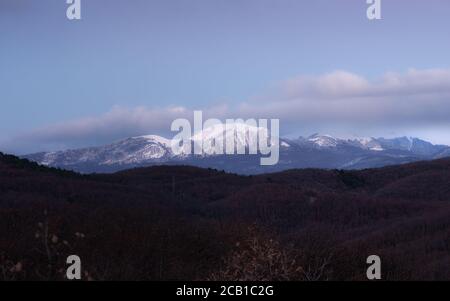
x=157, y=139
x=368, y=143
x=243, y=136
x=323, y=140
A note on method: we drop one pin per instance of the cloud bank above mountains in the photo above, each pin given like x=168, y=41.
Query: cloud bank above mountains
x=415, y=102
x=417, y=97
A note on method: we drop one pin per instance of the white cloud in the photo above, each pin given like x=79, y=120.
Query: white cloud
x=340, y=98
x=340, y=84
x=334, y=84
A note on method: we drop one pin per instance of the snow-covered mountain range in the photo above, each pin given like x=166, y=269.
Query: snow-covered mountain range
x=316, y=151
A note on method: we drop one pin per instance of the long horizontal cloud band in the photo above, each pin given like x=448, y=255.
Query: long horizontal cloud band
x=340, y=99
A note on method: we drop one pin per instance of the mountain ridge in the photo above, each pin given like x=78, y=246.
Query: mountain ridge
x=315, y=151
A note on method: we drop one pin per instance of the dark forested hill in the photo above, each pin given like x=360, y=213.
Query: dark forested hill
x=187, y=223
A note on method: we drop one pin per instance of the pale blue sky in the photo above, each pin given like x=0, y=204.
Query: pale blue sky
x=197, y=53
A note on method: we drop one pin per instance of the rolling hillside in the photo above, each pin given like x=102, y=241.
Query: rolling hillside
x=187, y=223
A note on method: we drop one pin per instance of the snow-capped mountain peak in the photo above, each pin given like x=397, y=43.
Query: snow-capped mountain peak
x=244, y=136
x=218, y=131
